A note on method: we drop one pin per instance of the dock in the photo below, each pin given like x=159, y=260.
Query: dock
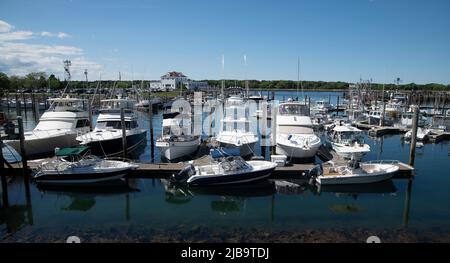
x=164, y=170
x=376, y=130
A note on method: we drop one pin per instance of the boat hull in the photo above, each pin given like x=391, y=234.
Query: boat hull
x=297, y=152
x=80, y=178
x=230, y=179
x=113, y=147
x=383, y=174
x=176, y=150
x=244, y=149
x=40, y=147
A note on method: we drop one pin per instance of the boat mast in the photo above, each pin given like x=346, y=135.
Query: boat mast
x=246, y=81
x=223, y=76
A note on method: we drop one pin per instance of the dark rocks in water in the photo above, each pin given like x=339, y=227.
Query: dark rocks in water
x=201, y=234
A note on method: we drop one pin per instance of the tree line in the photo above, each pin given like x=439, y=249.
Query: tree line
x=42, y=81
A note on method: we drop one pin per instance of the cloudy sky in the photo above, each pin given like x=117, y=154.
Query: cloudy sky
x=335, y=40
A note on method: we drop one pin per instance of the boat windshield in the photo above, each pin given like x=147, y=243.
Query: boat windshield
x=116, y=124
x=293, y=109
x=233, y=163
x=295, y=129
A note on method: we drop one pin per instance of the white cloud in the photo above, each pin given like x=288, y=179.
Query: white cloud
x=4, y=27
x=21, y=59
x=58, y=35
x=18, y=58
x=15, y=35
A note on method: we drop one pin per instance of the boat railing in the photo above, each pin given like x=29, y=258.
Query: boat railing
x=382, y=162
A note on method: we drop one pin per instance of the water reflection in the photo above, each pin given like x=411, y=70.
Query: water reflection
x=384, y=187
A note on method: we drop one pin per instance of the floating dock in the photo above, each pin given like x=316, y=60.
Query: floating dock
x=164, y=170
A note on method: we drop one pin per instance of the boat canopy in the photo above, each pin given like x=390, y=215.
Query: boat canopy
x=71, y=151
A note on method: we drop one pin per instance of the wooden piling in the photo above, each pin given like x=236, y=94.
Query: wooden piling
x=150, y=125
x=412, y=149
x=124, y=133
x=337, y=106
x=23, y=152
x=3, y=177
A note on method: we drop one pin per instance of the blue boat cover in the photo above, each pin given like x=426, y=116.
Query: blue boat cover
x=224, y=152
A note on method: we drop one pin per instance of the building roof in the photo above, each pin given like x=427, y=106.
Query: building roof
x=173, y=74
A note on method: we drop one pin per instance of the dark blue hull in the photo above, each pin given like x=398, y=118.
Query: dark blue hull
x=114, y=147
x=232, y=179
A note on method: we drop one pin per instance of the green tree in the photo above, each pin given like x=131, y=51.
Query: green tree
x=54, y=83
x=4, y=83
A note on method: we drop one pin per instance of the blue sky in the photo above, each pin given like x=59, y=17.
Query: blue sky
x=335, y=39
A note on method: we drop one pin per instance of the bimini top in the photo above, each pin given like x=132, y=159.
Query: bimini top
x=345, y=128
x=72, y=151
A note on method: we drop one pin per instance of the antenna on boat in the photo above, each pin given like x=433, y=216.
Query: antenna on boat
x=67, y=75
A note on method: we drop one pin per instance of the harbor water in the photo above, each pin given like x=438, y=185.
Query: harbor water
x=406, y=210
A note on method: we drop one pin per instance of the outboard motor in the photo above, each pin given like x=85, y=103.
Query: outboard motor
x=184, y=174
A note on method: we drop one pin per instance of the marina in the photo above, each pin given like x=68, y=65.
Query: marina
x=289, y=182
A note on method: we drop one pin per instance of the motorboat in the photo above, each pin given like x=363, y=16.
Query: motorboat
x=347, y=142
x=230, y=170
x=374, y=118
x=235, y=134
x=235, y=128
x=321, y=106
x=422, y=134
x=59, y=126
x=295, y=137
x=355, y=172
x=176, y=140
x=106, y=138
x=406, y=120
x=75, y=166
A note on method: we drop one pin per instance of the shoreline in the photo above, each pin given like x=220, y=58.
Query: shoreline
x=200, y=234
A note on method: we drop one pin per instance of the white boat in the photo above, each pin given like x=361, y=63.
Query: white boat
x=295, y=137
x=106, y=138
x=321, y=106
x=58, y=127
x=231, y=170
x=73, y=166
x=235, y=134
x=374, y=118
x=176, y=140
x=347, y=142
x=406, y=119
x=235, y=129
x=422, y=134
x=357, y=173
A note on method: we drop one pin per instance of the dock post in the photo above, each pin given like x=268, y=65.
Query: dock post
x=337, y=106
x=274, y=127
x=150, y=125
x=18, y=110
x=407, y=206
x=309, y=106
x=412, y=149
x=36, y=109
x=89, y=108
x=124, y=132
x=23, y=152
x=3, y=178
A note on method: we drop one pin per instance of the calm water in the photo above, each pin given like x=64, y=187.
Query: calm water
x=269, y=206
